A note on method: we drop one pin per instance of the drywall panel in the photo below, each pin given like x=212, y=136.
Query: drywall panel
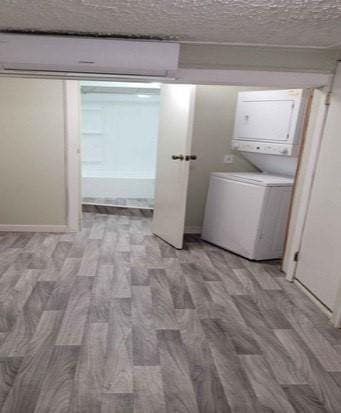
x=213, y=56
x=32, y=178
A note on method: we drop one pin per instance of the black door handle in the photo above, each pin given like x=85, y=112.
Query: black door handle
x=179, y=157
x=190, y=157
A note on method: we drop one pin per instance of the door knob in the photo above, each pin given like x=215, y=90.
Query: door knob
x=190, y=157
x=179, y=157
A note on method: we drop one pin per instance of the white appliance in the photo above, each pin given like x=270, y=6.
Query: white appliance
x=70, y=54
x=247, y=213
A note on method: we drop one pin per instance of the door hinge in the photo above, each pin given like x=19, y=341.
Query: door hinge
x=328, y=97
x=296, y=256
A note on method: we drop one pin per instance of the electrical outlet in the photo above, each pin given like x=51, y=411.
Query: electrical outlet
x=228, y=158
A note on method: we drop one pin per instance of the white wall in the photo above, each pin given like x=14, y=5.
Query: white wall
x=32, y=179
x=212, y=136
x=320, y=259
x=119, y=138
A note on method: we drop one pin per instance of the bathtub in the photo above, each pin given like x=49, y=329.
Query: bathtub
x=102, y=184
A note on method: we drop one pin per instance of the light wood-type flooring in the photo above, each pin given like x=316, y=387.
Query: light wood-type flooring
x=112, y=319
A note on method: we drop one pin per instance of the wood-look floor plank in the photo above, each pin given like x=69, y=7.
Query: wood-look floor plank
x=76, y=313
x=145, y=345
x=178, y=387
x=119, y=363
x=163, y=309
x=232, y=376
x=61, y=292
x=117, y=403
x=267, y=390
x=321, y=382
x=18, y=339
x=303, y=399
x=148, y=390
x=27, y=385
x=89, y=378
x=101, y=294
x=207, y=385
x=284, y=369
x=13, y=302
x=89, y=263
x=9, y=369
x=57, y=388
x=177, y=285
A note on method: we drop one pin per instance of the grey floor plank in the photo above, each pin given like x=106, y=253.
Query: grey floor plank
x=148, y=390
x=304, y=399
x=267, y=390
x=28, y=383
x=57, y=388
x=117, y=403
x=163, y=309
x=18, y=339
x=102, y=294
x=76, y=313
x=207, y=385
x=145, y=345
x=119, y=363
x=178, y=387
x=323, y=385
x=284, y=369
x=89, y=378
x=232, y=376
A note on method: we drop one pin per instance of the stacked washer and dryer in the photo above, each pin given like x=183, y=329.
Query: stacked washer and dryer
x=247, y=213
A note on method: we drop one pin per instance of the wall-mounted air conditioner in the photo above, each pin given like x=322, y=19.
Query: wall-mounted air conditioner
x=86, y=55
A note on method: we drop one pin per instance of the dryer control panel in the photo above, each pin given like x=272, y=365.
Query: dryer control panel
x=265, y=148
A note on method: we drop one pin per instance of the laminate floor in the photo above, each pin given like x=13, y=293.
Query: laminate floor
x=120, y=202
x=112, y=319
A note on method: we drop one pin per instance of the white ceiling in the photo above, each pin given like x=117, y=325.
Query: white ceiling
x=312, y=23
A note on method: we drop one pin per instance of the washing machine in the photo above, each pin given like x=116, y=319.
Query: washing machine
x=247, y=213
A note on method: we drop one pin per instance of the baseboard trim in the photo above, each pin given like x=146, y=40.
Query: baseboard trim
x=192, y=230
x=34, y=228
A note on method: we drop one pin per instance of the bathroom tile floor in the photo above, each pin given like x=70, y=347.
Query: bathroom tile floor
x=113, y=319
x=123, y=202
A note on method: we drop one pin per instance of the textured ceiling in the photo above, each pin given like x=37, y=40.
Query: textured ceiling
x=269, y=22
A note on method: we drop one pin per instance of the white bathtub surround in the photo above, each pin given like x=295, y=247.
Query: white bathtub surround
x=119, y=135
x=117, y=187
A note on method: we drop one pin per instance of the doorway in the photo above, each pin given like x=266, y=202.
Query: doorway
x=119, y=127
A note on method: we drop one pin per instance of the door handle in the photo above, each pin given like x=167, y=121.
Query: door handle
x=190, y=157
x=179, y=157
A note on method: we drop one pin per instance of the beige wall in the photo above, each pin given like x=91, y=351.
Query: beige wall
x=210, y=56
x=212, y=136
x=32, y=181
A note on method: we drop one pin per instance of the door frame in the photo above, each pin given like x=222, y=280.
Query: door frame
x=72, y=155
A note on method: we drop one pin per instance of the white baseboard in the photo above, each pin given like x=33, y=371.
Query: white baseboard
x=192, y=230
x=34, y=228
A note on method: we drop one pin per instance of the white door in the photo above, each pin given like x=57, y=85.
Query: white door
x=175, y=136
x=319, y=260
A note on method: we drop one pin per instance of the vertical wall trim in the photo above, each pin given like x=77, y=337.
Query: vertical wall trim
x=72, y=154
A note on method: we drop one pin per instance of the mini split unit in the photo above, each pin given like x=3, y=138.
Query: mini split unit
x=85, y=55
